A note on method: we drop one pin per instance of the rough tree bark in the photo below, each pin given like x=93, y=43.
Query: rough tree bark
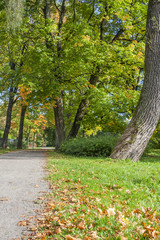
x=20, y=135
x=9, y=116
x=135, y=138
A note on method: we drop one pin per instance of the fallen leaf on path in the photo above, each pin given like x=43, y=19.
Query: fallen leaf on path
x=36, y=186
x=3, y=199
x=23, y=223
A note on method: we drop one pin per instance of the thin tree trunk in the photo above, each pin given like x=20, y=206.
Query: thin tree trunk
x=20, y=136
x=59, y=110
x=33, y=141
x=59, y=122
x=8, y=119
x=136, y=136
x=82, y=109
x=28, y=135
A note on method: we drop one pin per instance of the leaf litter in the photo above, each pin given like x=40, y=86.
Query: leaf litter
x=75, y=211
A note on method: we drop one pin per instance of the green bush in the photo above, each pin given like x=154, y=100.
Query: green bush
x=101, y=145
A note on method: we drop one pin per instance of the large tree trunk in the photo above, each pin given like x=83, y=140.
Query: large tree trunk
x=59, y=121
x=20, y=136
x=8, y=118
x=136, y=136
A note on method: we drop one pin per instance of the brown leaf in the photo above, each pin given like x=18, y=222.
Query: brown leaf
x=68, y=237
x=33, y=228
x=36, y=186
x=57, y=230
x=3, y=199
x=94, y=235
x=23, y=223
x=128, y=191
x=111, y=212
x=81, y=225
x=100, y=211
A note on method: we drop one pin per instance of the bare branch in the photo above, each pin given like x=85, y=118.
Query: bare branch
x=55, y=4
x=119, y=33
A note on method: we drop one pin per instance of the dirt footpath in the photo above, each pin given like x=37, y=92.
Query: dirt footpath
x=21, y=183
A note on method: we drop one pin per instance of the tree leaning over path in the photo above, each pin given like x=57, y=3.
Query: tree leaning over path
x=135, y=138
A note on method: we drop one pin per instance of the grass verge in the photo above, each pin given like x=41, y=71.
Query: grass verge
x=5, y=150
x=99, y=198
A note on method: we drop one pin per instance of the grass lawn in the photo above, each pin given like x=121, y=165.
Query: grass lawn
x=99, y=198
x=5, y=150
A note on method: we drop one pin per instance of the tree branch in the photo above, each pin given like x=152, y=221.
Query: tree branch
x=119, y=33
x=74, y=10
x=55, y=4
x=91, y=12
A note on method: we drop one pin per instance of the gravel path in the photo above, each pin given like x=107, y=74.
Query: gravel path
x=21, y=183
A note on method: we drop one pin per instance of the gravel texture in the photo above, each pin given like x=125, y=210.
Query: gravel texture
x=21, y=183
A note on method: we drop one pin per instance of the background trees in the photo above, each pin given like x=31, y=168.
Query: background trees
x=83, y=60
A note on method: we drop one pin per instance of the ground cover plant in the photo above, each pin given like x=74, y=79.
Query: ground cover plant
x=99, y=145
x=5, y=150
x=99, y=198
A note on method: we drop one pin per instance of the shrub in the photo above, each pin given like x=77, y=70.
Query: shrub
x=101, y=145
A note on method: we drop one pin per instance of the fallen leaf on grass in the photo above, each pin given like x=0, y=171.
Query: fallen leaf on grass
x=57, y=231
x=111, y=212
x=94, y=235
x=100, y=211
x=81, y=225
x=128, y=191
x=68, y=237
x=33, y=228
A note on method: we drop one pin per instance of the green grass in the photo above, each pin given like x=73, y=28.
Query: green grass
x=99, y=198
x=5, y=150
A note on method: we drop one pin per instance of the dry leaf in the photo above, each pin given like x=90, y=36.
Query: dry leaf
x=94, y=235
x=81, y=225
x=36, y=186
x=111, y=212
x=23, y=223
x=68, y=237
x=57, y=230
x=100, y=211
x=33, y=228
x=128, y=191
x=3, y=199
